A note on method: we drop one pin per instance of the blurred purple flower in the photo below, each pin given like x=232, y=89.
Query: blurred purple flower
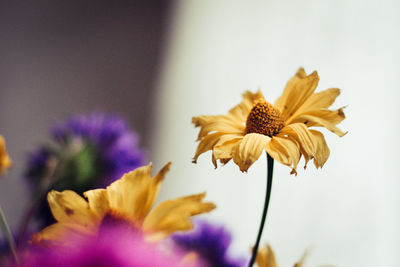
x=115, y=246
x=115, y=144
x=105, y=147
x=210, y=242
x=37, y=164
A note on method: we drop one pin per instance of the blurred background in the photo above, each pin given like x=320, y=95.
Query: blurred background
x=158, y=63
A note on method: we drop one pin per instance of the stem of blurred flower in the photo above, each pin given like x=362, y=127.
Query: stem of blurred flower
x=55, y=166
x=270, y=163
x=41, y=189
x=7, y=233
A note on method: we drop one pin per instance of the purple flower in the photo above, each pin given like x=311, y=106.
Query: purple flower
x=210, y=243
x=115, y=246
x=114, y=141
x=90, y=150
x=37, y=164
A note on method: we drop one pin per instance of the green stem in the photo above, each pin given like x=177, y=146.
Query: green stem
x=8, y=235
x=270, y=163
x=37, y=197
x=54, y=167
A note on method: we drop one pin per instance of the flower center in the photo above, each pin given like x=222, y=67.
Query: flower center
x=264, y=119
x=114, y=218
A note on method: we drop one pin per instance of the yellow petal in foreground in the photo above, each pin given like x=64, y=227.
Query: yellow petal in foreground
x=134, y=194
x=128, y=200
x=57, y=234
x=174, y=215
x=282, y=129
x=98, y=202
x=70, y=208
x=5, y=160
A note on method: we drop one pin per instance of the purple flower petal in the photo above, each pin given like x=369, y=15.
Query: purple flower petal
x=211, y=243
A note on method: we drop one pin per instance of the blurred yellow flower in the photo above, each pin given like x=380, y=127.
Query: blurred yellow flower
x=266, y=258
x=281, y=129
x=128, y=200
x=5, y=161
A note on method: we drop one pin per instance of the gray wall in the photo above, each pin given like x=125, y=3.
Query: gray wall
x=67, y=57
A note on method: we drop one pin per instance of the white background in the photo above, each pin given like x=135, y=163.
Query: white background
x=348, y=212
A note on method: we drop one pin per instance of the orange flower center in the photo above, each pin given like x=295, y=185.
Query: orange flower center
x=264, y=119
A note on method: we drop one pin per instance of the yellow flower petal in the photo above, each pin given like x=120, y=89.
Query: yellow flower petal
x=174, y=215
x=233, y=136
x=300, y=133
x=207, y=143
x=298, y=105
x=134, y=194
x=98, y=202
x=266, y=257
x=156, y=185
x=298, y=89
x=223, y=149
x=300, y=263
x=241, y=110
x=5, y=161
x=249, y=150
x=54, y=232
x=323, y=118
x=285, y=150
x=219, y=123
x=312, y=143
x=224, y=161
x=58, y=232
x=333, y=116
x=322, y=150
x=128, y=200
x=316, y=101
x=70, y=208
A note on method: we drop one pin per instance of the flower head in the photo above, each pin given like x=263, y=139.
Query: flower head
x=96, y=148
x=115, y=246
x=127, y=201
x=5, y=161
x=210, y=243
x=84, y=152
x=282, y=129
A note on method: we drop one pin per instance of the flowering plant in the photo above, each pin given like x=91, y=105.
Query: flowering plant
x=95, y=198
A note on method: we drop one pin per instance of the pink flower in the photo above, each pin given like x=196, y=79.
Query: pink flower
x=114, y=246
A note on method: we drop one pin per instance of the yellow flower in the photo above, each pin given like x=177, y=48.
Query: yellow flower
x=266, y=258
x=5, y=161
x=128, y=200
x=281, y=129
